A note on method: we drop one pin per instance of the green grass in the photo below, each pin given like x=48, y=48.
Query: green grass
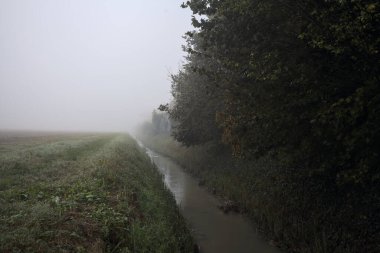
x=85, y=193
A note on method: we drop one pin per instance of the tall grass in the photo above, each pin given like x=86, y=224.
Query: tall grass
x=292, y=220
x=97, y=193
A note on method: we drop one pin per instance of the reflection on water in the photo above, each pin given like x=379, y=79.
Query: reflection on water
x=214, y=231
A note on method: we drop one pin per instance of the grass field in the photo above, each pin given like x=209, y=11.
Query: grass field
x=84, y=193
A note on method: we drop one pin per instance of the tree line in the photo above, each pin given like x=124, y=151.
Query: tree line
x=296, y=81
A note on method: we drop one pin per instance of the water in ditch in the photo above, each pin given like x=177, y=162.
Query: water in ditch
x=213, y=230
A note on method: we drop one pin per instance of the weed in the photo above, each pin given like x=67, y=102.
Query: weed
x=96, y=193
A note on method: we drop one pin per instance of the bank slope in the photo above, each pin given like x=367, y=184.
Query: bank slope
x=94, y=193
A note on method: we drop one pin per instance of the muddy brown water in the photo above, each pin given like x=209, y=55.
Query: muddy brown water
x=213, y=230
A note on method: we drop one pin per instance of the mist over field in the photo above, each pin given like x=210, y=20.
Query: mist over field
x=87, y=65
x=211, y=126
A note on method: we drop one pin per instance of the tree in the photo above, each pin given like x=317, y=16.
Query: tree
x=295, y=80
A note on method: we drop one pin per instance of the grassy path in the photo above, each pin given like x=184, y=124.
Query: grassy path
x=95, y=193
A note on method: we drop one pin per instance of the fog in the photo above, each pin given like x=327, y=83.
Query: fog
x=87, y=65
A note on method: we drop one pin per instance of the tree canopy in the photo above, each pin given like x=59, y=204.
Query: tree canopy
x=294, y=80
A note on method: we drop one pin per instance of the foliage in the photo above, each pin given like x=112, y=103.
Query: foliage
x=159, y=124
x=195, y=102
x=297, y=82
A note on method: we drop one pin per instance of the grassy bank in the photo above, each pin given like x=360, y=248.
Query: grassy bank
x=294, y=221
x=85, y=193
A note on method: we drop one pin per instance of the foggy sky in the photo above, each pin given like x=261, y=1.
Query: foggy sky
x=98, y=65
